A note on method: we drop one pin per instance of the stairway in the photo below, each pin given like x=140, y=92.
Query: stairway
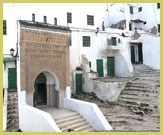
x=73, y=122
x=143, y=90
x=12, y=111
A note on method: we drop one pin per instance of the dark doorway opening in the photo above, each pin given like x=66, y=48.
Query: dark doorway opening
x=40, y=94
x=136, y=53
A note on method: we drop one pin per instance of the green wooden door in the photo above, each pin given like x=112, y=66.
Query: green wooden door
x=140, y=53
x=110, y=66
x=132, y=54
x=78, y=83
x=99, y=63
x=12, y=79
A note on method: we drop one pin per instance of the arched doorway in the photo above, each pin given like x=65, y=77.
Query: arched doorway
x=46, y=90
x=40, y=94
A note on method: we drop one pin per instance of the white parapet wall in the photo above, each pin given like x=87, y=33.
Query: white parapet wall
x=89, y=111
x=34, y=120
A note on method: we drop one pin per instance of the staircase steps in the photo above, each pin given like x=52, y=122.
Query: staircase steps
x=74, y=122
x=12, y=111
x=143, y=91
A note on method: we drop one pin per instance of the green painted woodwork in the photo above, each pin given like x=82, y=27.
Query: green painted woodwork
x=9, y=59
x=140, y=53
x=114, y=41
x=132, y=54
x=78, y=83
x=12, y=79
x=110, y=66
x=131, y=10
x=99, y=64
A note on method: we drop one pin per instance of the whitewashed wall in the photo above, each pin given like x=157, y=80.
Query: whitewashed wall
x=150, y=14
x=151, y=50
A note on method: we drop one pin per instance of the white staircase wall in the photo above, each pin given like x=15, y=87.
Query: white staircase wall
x=89, y=111
x=38, y=120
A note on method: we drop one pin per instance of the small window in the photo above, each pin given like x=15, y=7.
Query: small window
x=33, y=17
x=86, y=41
x=158, y=5
x=45, y=19
x=140, y=9
x=69, y=17
x=4, y=27
x=114, y=41
x=131, y=10
x=90, y=20
x=159, y=28
x=55, y=21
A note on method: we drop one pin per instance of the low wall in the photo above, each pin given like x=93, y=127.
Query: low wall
x=34, y=120
x=109, y=91
x=89, y=111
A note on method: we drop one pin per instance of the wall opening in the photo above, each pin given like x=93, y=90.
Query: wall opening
x=46, y=90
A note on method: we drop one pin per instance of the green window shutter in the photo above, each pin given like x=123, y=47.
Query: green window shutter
x=86, y=41
x=12, y=79
x=69, y=17
x=114, y=41
x=90, y=20
x=131, y=10
x=4, y=27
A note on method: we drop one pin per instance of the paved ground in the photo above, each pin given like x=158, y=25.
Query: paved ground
x=55, y=112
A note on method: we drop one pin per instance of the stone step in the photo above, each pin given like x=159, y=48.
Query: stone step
x=75, y=126
x=12, y=103
x=89, y=130
x=145, y=78
x=145, y=90
x=12, y=121
x=147, y=72
x=117, y=120
x=83, y=128
x=139, y=93
x=13, y=111
x=69, y=123
x=12, y=128
x=61, y=121
x=140, y=98
x=73, y=121
x=140, y=103
x=147, y=75
x=144, y=84
x=67, y=116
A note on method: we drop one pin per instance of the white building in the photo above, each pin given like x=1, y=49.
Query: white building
x=103, y=39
